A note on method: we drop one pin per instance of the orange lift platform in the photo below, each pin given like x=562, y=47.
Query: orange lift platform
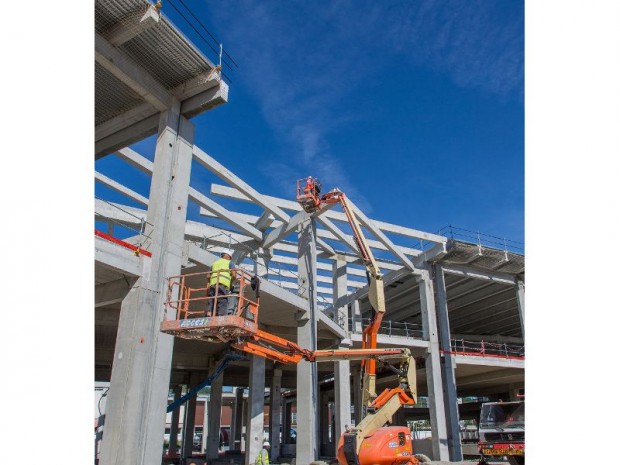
x=192, y=313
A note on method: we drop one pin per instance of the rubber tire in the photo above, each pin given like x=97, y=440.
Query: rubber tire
x=512, y=460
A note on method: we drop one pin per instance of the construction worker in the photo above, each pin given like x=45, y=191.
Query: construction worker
x=263, y=455
x=221, y=282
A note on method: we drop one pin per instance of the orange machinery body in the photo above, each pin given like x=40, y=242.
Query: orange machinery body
x=390, y=445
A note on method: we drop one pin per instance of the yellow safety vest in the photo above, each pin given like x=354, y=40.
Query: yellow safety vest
x=224, y=276
x=263, y=457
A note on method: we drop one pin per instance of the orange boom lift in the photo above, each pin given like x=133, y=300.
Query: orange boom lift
x=189, y=315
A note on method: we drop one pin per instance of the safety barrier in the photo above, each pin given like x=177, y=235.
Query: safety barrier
x=192, y=295
x=486, y=349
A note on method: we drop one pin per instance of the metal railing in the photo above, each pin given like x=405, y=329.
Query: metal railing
x=392, y=328
x=482, y=239
x=486, y=349
x=139, y=234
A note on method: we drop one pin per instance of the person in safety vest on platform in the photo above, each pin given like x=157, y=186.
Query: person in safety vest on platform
x=263, y=455
x=221, y=282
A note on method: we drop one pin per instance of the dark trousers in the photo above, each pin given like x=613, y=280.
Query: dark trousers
x=222, y=302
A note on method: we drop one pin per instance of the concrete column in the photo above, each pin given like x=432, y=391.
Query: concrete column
x=275, y=414
x=342, y=369
x=205, y=426
x=339, y=272
x=256, y=403
x=325, y=420
x=190, y=418
x=136, y=406
x=237, y=421
x=357, y=317
x=286, y=422
x=433, y=369
x=174, y=422
x=261, y=263
x=215, y=417
x=342, y=394
x=307, y=377
x=357, y=394
x=521, y=303
x=513, y=392
x=447, y=370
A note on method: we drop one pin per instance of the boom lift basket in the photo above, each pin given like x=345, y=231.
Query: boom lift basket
x=308, y=191
x=191, y=313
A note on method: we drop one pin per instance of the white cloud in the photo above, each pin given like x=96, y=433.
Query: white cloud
x=344, y=45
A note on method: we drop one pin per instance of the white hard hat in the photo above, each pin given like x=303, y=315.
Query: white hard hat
x=266, y=444
x=227, y=252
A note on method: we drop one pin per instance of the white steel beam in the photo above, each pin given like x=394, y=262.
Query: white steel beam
x=132, y=26
x=388, y=278
x=479, y=274
x=225, y=191
x=369, y=224
x=285, y=229
x=223, y=214
x=127, y=135
x=132, y=116
x=113, y=292
x=205, y=100
x=135, y=159
x=131, y=74
x=112, y=184
x=224, y=173
x=239, y=185
x=328, y=233
x=288, y=227
x=119, y=258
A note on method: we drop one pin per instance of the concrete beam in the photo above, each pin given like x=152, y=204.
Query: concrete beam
x=131, y=74
x=204, y=101
x=112, y=184
x=223, y=214
x=128, y=118
x=479, y=274
x=127, y=135
x=388, y=278
x=119, y=258
x=498, y=376
x=239, y=185
x=285, y=229
x=136, y=160
x=380, y=235
x=385, y=340
x=339, y=234
x=332, y=232
x=489, y=361
x=132, y=26
x=113, y=292
x=226, y=191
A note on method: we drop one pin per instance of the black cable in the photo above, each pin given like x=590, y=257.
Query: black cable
x=217, y=52
x=201, y=36
x=207, y=31
x=192, y=26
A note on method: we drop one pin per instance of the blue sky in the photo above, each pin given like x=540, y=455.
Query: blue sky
x=414, y=108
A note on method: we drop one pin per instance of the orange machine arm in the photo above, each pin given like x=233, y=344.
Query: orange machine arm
x=308, y=197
